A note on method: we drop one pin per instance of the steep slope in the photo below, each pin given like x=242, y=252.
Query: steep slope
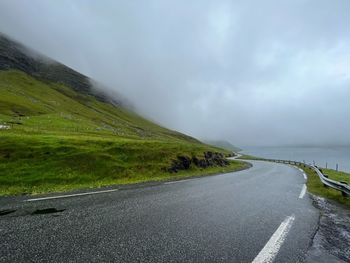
x=14, y=55
x=30, y=105
x=56, y=134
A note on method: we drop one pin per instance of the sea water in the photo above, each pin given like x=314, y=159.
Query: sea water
x=322, y=156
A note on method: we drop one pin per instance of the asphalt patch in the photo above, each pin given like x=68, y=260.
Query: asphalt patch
x=6, y=212
x=44, y=211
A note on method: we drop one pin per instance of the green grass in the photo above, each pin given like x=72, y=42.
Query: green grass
x=250, y=157
x=315, y=186
x=32, y=106
x=337, y=175
x=60, y=140
x=37, y=164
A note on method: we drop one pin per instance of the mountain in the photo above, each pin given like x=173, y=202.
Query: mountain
x=223, y=144
x=58, y=133
x=67, y=92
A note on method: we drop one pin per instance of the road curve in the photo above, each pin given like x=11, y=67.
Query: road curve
x=247, y=216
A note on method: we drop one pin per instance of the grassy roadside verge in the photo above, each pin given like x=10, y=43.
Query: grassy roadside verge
x=250, y=157
x=337, y=175
x=33, y=164
x=48, y=187
x=234, y=166
x=315, y=186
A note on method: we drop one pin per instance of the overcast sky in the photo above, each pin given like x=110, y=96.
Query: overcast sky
x=251, y=72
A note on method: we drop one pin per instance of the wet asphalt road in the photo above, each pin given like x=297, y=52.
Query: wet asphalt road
x=224, y=218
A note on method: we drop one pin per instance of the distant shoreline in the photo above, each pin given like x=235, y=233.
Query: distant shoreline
x=322, y=156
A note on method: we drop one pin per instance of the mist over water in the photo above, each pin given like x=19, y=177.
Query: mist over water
x=322, y=156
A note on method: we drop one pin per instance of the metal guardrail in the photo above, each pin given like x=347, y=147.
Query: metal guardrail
x=339, y=186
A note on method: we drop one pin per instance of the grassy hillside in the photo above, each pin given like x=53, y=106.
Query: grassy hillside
x=58, y=133
x=32, y=106
x=53, y=138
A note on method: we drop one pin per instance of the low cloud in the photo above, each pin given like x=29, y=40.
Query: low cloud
x=251, y=72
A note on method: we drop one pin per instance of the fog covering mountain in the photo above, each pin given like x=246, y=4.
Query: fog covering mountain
x=14, y=55
x=59, y=133
x=223, y=144
x=28, y=90
x=250, y=72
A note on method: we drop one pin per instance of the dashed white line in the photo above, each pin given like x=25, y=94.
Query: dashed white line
x=180, y=181
x=303, y=191
x=305, y=176
x=301, y=170
x=270, y=250
x=72, y=195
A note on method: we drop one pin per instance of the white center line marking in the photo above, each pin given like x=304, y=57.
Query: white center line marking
x=72, y=195
x=175, y=182
x=270, y=250
x=303, y=191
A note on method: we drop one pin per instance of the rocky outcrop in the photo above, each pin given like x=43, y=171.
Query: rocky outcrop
x=210, y=159
x=231, y=155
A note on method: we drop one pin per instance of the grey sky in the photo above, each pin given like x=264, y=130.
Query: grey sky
x=252, y=72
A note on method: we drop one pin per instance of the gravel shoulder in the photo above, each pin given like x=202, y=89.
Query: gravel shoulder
x=331, y=242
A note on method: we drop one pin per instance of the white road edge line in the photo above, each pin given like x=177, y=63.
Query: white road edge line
x=305, y=176
x=270, y=250
x=180, y=181
x=72, y=195
x=303, y=191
